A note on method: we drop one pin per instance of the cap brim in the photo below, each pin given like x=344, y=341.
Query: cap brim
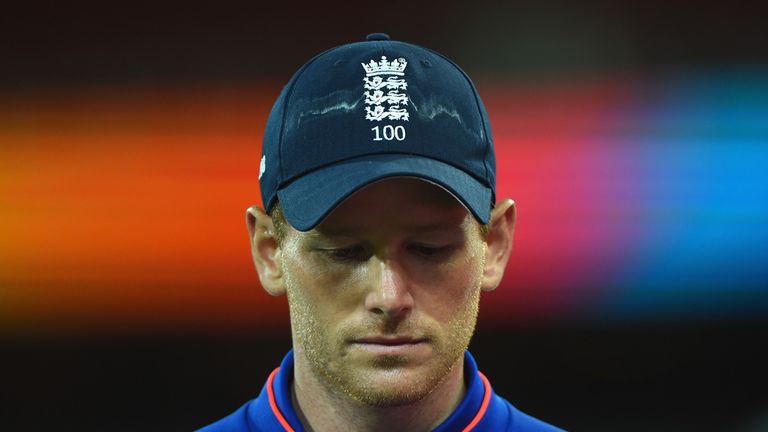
x=309, y=199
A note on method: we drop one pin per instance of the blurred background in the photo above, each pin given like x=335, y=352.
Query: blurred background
x=632, y=135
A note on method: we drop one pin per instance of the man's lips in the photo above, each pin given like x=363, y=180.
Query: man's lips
x=390, y=340
x=393, y=345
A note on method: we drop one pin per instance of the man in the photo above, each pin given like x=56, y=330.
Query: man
x=378, y=184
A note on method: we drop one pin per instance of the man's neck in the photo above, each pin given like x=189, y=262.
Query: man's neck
x=321, y=409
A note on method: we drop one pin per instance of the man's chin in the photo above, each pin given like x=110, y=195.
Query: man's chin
x=390, y=382
x=388, y=393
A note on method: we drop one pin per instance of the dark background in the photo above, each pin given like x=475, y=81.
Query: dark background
x=699, y=374
x=95, y=42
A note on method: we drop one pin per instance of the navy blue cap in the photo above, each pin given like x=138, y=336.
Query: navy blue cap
x=370, y=110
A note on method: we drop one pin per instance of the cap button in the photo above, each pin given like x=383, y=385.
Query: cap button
x=377, y=37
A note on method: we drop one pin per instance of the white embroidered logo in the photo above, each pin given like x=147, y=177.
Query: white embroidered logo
x=386, y=98
x=262, y=166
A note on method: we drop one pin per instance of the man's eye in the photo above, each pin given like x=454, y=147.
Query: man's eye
x=345, y=253
x=428, y=250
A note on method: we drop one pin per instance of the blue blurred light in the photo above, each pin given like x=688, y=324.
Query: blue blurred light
x=702, y=146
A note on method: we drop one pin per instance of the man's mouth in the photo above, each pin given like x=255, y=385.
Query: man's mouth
x=391, y=345
x=390, y=340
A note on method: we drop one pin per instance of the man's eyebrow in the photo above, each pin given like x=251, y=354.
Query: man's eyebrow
x=437, y=227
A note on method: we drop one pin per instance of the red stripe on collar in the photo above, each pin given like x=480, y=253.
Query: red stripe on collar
x=483, y=406
x=272, y=404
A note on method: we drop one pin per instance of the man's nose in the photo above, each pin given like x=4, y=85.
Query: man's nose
x=389, y=293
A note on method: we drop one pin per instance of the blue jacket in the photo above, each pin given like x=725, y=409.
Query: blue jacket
x=481, y=409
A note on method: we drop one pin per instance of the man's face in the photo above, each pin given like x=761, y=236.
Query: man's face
x=384, y=293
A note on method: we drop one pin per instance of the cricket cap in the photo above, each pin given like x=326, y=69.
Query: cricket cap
x=370, y=110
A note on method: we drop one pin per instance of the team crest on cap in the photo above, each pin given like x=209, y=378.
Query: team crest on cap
x=385, y=87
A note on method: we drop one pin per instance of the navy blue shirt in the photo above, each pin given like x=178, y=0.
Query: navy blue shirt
x=480, y=410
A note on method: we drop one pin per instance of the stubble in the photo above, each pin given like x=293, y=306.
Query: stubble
x=323, y=348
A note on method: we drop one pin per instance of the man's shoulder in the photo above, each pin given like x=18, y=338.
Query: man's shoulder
x=234, y=422
x=263, y=413
x=503, y=416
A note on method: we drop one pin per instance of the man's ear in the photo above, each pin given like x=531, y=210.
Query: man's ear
x=265, y=250
x=501, y=229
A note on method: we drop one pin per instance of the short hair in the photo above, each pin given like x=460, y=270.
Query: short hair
x=281, y=224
